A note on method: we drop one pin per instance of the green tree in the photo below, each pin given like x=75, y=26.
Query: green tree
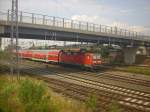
x=104, y=51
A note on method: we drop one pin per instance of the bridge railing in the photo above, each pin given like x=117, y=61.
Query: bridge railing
x=25, y=17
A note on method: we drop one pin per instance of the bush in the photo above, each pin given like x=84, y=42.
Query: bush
x=33, y=96
x=92, y=102
x=4, y=55
x=6, y=98
x=28, y=95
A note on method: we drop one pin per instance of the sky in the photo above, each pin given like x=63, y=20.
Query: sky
x=128, y=14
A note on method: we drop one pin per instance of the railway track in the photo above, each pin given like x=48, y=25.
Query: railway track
x=116, y=77
x=79, y=74
x=82, y=93
x=75, y=86
x=113, y=76
x=133, y=99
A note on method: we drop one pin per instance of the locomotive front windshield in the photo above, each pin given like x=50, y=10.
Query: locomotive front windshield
x=96, y=56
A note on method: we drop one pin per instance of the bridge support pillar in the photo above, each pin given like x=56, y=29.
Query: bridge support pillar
x=143, y=50
x=129, y=55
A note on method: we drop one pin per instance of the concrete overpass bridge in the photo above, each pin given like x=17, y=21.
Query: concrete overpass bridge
x=37, y=26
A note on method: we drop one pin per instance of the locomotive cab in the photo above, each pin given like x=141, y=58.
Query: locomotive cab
x=92, y=60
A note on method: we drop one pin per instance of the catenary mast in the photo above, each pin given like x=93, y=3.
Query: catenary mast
x=14, y=35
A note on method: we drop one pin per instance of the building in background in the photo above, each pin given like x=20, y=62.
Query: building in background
x=28, y=43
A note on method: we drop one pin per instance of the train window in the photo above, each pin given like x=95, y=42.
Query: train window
x=88, y=57
x=51, y=56
x=94, y=57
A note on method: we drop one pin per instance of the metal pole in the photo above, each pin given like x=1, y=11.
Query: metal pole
x=44, y=20
x=32, y=18
x=100, y=28
x=64, y=44
x=63, y=22
x=17, y=42
x=45, y=39
x=79, y=25
x=105, y=29
x=93, y=27
x=11, y=40
x=14, y=33
x=77, y=40
x=54, y=21
x=72, y=24
x=111, y=30
x=20, y=17
x=87, y=26
x=8, y=15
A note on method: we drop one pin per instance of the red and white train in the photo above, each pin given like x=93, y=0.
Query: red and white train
x=69, y=57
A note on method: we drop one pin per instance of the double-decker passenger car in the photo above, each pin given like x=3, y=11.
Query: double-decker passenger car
x=53, y=56
x=27, y=54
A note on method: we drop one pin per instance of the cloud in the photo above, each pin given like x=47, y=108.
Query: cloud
x=5, y=4
x=147, y=9
x=83, y=10
x=137, y=28
x=127, y=11
x=142, y=29
x=108, y=22
x=120, y=25
x=58, y=7
x=90, y=19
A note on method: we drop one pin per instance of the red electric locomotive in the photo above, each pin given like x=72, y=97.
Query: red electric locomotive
x=80, y=58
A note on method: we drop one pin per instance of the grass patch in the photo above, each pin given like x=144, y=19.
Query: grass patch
x=92, y=102
x=138, y=70
x=4, y=55
x=114, y=107
x=30, y=95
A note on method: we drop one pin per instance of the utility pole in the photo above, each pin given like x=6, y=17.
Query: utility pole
x=14, y=34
